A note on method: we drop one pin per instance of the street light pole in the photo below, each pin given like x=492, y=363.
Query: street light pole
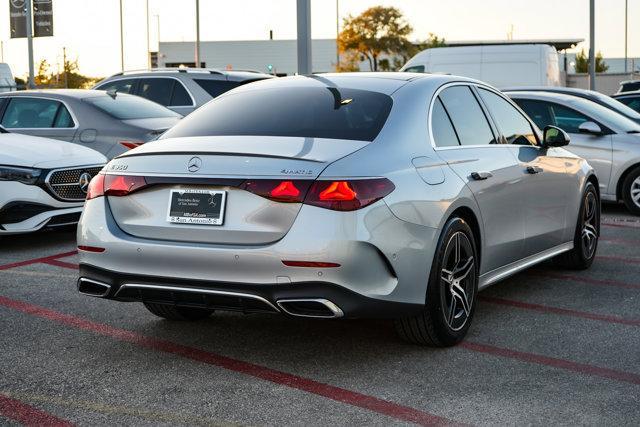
x=626, y=33
x=148, y=43
x=592, y=45
x=337, y=34
x=197, y=34
x=30, y=83
x=121, y=40
x=304, y=36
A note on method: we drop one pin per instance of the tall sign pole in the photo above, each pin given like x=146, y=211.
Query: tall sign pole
x=626, y=33
x=148, y=43
x=304, y=36
x=31, y=83
x=121, y=40
x=197, y=34
x=592, y=45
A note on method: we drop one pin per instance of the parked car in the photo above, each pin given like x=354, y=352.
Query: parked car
x=43, y=182
x=109, y=123
x=179, y=89
x=339, y=195
x=592, y=95
x=7, y=81
x=630, y=99
x=609, y=141
x=629, y=86
x=499, y=65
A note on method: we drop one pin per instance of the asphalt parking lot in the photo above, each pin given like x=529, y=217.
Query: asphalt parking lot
x=547, y=346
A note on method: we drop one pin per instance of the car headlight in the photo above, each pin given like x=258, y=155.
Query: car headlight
x=24, y=175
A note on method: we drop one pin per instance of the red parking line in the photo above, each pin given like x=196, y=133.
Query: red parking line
x=618, y=225
x=561, y=311
x=28, y=415
x=582, y=368
x=338, y=394
x=587, y=280
x=626, y=260
x=37, y=260
x=62, y=264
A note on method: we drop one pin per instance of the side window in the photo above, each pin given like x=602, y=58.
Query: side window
x=216, y=87
x=443, y=133
x=539, y=111
x=63, y=118
x=415, y=69
x=567, y=118
x=467, y=116
x=513, y=125
x=156, y=89
x=31, y=113
x=180, y=96
x=120, y=86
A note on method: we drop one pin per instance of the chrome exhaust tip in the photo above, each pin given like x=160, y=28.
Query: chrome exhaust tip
x=93, y=288
x=310, y=307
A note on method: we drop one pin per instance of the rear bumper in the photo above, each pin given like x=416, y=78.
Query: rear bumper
x=245, y=297
x=381, y=257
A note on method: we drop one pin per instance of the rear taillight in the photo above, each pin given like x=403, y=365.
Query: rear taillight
x=96, y=187
x=130, y=144
x=114, y=185
x=348, y=195
x=335, y=195
x=279, y=191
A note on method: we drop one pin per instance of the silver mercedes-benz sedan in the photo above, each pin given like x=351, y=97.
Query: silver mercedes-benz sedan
x=392, y=195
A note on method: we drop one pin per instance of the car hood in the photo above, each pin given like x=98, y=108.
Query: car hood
x=32, y=151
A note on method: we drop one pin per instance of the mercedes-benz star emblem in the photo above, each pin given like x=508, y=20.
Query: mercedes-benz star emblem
x=194, y=165
x=84, y=181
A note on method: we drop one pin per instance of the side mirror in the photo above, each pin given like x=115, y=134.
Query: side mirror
x=553, y=136
x=590, y=128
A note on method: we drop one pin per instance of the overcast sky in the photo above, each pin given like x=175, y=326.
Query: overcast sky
x=90, y=28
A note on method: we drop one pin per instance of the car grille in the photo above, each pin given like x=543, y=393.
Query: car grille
x=65, y=183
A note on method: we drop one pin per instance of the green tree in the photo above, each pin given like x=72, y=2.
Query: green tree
x=582, y=63
x=69, y=77
x=376, y=31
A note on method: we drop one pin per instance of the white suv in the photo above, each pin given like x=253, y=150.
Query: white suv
x=43, y=182
x=179, y=89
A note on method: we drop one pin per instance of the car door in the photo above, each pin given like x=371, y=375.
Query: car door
x=44, y=117
x=596, y=149
x=547, y=185
x=464, y=138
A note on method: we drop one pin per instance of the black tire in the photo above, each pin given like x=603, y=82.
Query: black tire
x=631, y=183
x=585, y=239
x=438, y=325
x=171, y=312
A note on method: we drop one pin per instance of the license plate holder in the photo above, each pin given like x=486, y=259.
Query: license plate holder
x=199, y=207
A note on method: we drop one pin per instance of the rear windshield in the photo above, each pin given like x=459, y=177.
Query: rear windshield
x=128, y=107
x=318, y=112
x=216, y=88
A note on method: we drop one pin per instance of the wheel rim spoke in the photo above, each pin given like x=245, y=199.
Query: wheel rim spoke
x=635, y=191
x=458, y=281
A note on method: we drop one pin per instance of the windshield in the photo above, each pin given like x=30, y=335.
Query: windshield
x=606, y=115
x=128, y=107
x=320, y=112
x=614, y=104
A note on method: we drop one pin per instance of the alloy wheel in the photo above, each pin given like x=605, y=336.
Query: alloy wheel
x=590, y=225
x=635, y=191
x=458, y=276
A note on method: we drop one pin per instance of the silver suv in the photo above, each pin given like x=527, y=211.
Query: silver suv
x=179, y=89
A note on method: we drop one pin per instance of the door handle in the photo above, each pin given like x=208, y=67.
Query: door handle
x=480, y=176
x=534, y=169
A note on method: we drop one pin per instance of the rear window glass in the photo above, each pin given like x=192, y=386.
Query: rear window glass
x=126, y=107
x=216, y=88
x=318, y=112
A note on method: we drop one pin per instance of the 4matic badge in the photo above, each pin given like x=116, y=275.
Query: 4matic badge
x=296, y=172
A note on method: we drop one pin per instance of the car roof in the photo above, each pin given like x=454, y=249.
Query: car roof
x=625, y=94
x=59, y=93
x=385, y=82
x=202, y=72
x=540, y=94
x=583, y=93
